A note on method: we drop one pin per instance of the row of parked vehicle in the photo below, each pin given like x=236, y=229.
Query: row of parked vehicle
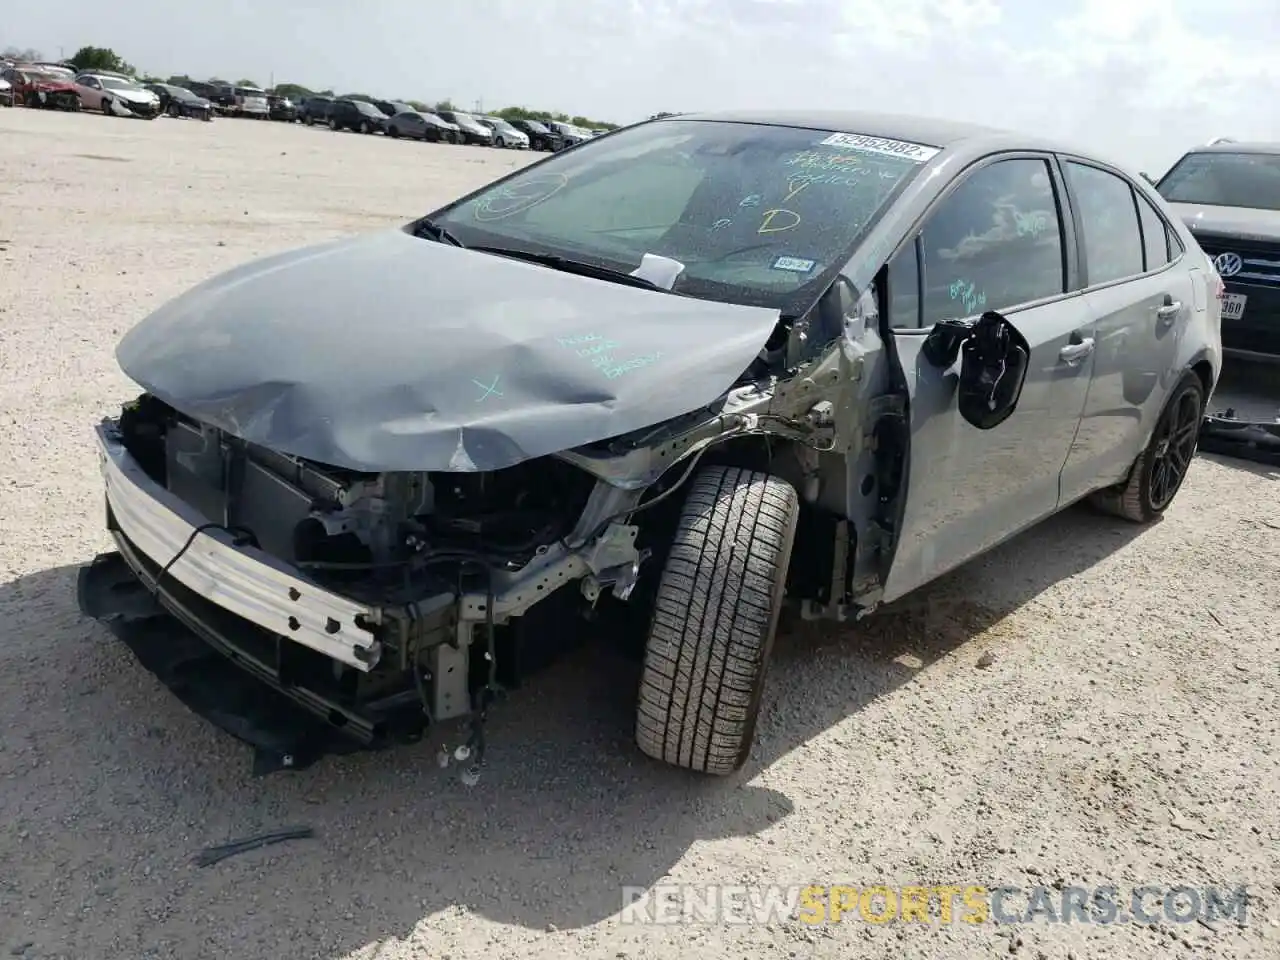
x=59, y=87
x=398, y=119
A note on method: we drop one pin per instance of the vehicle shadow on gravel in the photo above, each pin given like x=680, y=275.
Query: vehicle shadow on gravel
x=567, y=814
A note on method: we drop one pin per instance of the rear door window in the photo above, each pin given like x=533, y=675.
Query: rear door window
x=995, y=242
x=1109, y=222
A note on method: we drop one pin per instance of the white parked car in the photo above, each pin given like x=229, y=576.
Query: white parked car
x=6, y=92
x=116, y=95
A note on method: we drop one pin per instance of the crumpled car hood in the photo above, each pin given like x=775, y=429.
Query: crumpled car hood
x=1247, y=224
x=389, y=352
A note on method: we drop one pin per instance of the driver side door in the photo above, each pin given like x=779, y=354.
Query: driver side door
x=1000, y=238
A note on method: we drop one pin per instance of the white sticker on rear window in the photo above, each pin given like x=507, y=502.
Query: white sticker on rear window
x=794, y=264
x=916, y=152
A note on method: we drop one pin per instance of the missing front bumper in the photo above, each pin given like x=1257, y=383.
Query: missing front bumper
x=215, y=676
x=242, y=580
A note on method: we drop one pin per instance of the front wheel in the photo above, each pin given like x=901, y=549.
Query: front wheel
x=714, y=620
x=1157, y=474
x=364, y=126
x=333, y=125
x=106, y=106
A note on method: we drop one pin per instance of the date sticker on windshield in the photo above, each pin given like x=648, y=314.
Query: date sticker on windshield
x=793, y=264
x=915, y=152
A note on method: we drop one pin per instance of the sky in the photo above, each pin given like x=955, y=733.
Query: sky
x=1137, y=81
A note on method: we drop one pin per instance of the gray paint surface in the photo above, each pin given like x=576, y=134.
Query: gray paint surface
x=389, y=352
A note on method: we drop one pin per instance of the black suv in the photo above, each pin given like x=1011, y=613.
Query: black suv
x=281, y=108
x=357, y=115
x=1228, y=193
x=540, y=136
x=315, y=110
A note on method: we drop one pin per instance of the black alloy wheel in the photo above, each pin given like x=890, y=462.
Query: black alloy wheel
x=1175, y=445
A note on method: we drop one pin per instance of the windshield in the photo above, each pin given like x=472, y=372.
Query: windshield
x=368, y=108
x=758, y=214
x=1225, y=179
x=250, y=92
x=178, y=93
x=111, y=83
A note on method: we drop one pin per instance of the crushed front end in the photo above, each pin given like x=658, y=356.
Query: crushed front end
x=377, y=603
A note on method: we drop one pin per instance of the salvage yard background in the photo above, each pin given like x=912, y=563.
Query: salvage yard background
x=1124, y=729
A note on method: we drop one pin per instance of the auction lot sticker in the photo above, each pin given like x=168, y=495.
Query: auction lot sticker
x=915, y=152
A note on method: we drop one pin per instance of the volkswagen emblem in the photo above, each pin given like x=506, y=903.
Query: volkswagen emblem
x=1228, y=264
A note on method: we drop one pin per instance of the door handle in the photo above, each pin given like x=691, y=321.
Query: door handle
x=1168, y=311
x=1073, y=353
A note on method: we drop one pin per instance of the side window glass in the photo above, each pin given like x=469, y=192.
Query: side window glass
x=1175, y=245
x=1155, y=242
x=994, y=243
x=904, y=289
x=1109, y=222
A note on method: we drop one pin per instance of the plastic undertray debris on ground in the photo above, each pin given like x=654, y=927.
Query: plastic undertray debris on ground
x=1243, y=419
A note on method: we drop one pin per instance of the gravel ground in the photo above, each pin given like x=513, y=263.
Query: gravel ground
x=1090, y=704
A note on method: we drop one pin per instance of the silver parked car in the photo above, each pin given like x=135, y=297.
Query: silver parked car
x=678, y=376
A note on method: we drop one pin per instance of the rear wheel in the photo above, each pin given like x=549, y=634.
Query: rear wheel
x=392, y=132
x=364, y=127
x=106, y=106
x=333, y=125
x=1157, y=474
x=714, y=620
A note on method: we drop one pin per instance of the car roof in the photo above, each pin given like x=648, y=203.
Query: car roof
x=927, y=131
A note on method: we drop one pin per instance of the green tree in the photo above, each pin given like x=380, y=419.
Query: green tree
x=294, y=91
x=21, y=54
x=445, y=105
x=178, y=80
x=101, y=58
x=246, y=83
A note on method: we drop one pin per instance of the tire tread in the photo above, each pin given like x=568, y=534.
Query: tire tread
x=714, y=618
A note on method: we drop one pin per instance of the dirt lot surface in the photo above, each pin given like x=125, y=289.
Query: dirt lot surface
x=1092, y=704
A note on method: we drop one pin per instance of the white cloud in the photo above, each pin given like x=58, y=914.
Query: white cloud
x=1138, y=79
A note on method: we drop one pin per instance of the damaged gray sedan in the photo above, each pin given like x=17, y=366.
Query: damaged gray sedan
x=669, y=379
